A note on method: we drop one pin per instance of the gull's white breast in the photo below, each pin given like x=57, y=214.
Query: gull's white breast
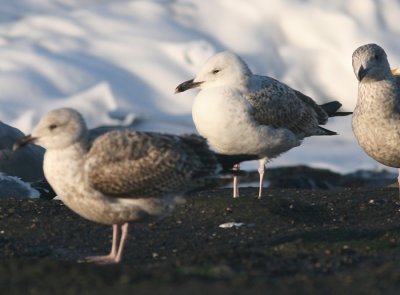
x=224, y=117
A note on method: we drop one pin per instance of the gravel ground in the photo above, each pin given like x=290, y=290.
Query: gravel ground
x=292, y=241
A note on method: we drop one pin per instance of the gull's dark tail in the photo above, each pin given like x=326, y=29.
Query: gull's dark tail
x=228, y=161
x=331, y=109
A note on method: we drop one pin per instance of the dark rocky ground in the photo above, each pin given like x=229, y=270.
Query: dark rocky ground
x=293, y=241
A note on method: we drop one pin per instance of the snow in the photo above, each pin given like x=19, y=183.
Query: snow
x=118, y=62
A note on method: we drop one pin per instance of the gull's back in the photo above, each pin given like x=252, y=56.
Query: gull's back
x=280, y=106
x=126, y=163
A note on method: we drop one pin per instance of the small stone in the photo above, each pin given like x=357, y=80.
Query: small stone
x=228, y=210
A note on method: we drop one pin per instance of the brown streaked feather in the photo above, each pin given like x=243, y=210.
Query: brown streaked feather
x=135, y=164
x=322, y=115
x=277, y=105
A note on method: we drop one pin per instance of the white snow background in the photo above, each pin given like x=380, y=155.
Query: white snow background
x=118, y=62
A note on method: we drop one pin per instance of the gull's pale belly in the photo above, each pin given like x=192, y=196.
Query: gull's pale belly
x=380, y=141
x=223, y=122
x=224, y=118
x=376, y=121
x=64, y=174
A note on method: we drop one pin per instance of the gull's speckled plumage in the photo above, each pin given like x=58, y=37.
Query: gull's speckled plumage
x=122, y=164
x=122, y=175
x=277, y=105
x=239, y=112
x=376, y=118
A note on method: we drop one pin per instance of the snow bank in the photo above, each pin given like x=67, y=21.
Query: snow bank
x=118, y=62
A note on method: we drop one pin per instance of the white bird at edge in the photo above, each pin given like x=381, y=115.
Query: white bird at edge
x=376, y=118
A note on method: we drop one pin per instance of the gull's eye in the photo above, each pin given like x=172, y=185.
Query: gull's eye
x=215, y=71
x=376, y=56
x=53, y=126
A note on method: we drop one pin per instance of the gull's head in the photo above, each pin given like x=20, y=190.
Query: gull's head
x=222, y=69
x=370, y=63
x=57, y=129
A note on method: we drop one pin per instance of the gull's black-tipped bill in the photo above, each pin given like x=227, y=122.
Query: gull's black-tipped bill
x=24, y=141
x=361, y=73
x=187, y=85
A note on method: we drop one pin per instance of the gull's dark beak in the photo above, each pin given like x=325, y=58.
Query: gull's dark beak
x=24, y=141
x=187, y=85
x=361, y=73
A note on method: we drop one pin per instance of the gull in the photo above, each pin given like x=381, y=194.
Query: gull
x=25, y=164
x=122, y=175
x=21, y=172
x=239, y=112
x=376, y=118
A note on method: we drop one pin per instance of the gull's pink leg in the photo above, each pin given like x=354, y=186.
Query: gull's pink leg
x=124, y=235
x=113, y=251
x=110, y=258
x=236, y=167
x=261, y=171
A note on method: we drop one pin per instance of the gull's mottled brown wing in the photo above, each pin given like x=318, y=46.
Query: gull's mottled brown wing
x=125, y=163
x=275, y=104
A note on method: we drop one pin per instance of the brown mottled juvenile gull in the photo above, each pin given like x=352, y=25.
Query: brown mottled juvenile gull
x=376, y=118
x=122, y=175
x=239, y=112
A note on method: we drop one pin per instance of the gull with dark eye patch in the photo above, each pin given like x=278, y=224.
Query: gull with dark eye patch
x=239, y=112
x=376, y=117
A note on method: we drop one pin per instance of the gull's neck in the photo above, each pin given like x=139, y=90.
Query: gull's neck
x=378, y=91
x=378, y=97
x=63, y=169
x=65, y=163
x=79, y=148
